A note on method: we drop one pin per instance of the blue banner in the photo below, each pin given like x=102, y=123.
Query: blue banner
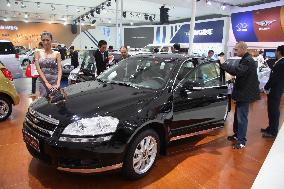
x=204, y=32
x=243, y=26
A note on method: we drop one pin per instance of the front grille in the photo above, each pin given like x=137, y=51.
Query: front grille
x=40, y=126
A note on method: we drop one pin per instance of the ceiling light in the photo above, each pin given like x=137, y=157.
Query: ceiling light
x=223, y=7
x=109, y=21
x=26, y=21
x=26, y=15
x=65, y=23
x=8, y=3
x=103, y=6
x=131, y=23
x=208, y=2
x=38, y=5
x=82, y=24
x=5, y=19
x=78, y=10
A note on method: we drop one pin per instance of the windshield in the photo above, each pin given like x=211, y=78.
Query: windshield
x=146, y=72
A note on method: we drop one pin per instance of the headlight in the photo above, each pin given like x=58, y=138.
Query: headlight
x=92, y=126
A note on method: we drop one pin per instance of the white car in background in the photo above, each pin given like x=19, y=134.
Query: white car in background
x=10, y=58
x=26, y=58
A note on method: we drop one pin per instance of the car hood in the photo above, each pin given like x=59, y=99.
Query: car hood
x=92, y=98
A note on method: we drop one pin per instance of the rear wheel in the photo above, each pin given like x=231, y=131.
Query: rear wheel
x=5, y=108
x=142, y=154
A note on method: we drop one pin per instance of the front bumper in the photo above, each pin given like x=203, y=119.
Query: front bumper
x=75, y=157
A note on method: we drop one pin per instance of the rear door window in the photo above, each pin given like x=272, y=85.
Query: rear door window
x=7, y=48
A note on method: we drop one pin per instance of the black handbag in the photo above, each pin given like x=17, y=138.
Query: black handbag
x=56, y=95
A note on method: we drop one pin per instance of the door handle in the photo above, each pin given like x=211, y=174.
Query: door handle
x=221, y=96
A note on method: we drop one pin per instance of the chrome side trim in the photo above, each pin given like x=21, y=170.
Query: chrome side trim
x=39, y=128
x=96, y=170
x=193, y=134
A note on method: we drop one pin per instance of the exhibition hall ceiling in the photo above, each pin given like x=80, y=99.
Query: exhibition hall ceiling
x=135, y=11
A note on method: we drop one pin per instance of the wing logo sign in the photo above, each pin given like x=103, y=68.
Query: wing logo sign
x=242, y=27
x=264, y=23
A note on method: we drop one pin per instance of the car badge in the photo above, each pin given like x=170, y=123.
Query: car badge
x=32, y=111
x=242, y=27
x=35, y=120
x=264, y=23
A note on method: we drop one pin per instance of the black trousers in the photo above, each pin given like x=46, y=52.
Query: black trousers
x=273, y=104
x=34, y=85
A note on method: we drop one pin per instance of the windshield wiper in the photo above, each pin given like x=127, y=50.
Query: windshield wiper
x=123, y=84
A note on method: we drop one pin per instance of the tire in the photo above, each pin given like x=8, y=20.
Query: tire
x=5, y=108
x=26, y=62
x=129, y=170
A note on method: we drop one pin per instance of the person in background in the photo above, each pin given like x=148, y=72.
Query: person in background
x=74, y=57
x=101, y=57
x=110, y=48
x=210, y=55
x=61, y=51
x=221, y=54
x=274, y=89
x=245, y=91
x=48, y=65
x=176, y=47
x=260, y=60
x=124, y=54
x=40, y=46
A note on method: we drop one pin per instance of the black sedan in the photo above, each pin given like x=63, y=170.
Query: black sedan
x=127, y=116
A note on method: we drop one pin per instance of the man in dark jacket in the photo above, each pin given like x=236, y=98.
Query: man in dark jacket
x=274, y=89
x=246, y=91
x=101, y=57
x=74, y=57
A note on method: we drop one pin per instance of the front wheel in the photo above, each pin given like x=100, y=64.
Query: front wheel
x=5, y=108
x=142, y=154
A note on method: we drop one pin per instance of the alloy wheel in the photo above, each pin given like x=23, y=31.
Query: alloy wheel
x=4, y=109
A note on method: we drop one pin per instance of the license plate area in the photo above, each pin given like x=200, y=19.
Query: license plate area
x=32, y=141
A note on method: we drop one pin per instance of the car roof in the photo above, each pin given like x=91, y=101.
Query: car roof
x=166, y=56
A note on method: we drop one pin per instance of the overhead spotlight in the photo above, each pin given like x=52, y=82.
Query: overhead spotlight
x=92, y=13
x=23, y=5
x=38, y=5
x=52, y=7
x=26, y=15
x=26, y=20
x=8, y=3
x=109, y=21
x=103, y=6
x=124, y=14
x=77, y=9
x=146, y=16
x=208, y=2
x=65, y=23
x=98, y=10
x=87, y=17
x=131, y=23
x=223, y=7
x=109, y=3
x=5, y=19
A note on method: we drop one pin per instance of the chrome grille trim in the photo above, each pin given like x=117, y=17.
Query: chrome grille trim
x=39, y=128
x=43, y=117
